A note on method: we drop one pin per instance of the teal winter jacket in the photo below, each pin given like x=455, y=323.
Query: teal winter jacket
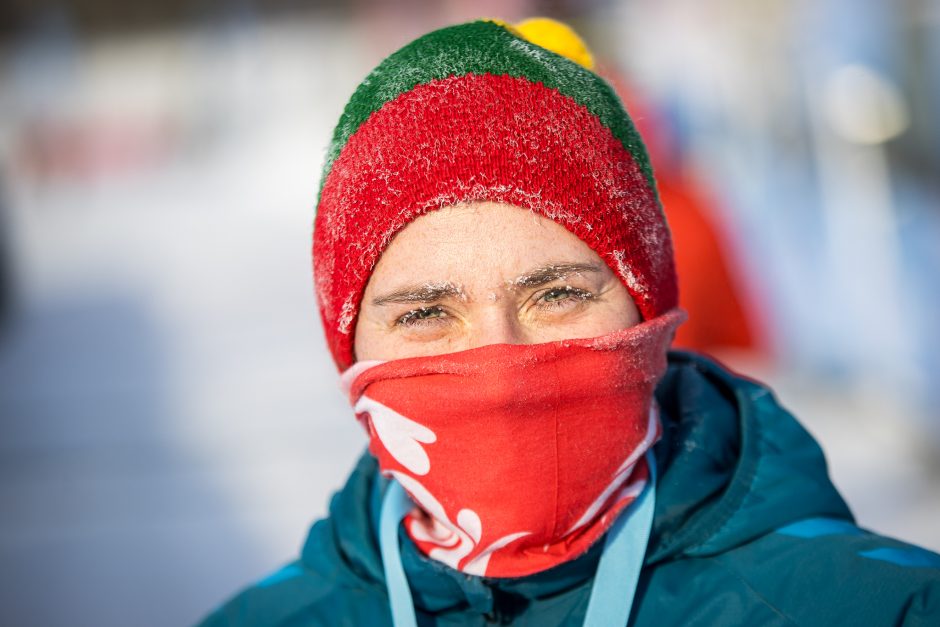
x=748, y=530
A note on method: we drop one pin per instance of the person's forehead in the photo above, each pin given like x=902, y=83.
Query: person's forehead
x=476, y=227
x=467, y=243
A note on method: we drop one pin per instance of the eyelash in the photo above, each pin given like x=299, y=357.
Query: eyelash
x=420, y=317
x=574, y=294
x=414, y=317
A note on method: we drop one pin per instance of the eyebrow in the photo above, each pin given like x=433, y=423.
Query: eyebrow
x=423, y=293
x=433, y=292
x=552, y=272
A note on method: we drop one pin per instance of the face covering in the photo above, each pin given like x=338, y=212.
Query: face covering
x=518, y=457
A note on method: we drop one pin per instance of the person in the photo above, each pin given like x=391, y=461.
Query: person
x=496, y=282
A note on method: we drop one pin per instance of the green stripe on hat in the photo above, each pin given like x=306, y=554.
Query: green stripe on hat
x=484, y=47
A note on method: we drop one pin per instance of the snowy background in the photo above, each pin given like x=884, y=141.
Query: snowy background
x=170, y=421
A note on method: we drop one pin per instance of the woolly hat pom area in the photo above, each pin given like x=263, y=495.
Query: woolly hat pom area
x=486, y=111
x=552, y=35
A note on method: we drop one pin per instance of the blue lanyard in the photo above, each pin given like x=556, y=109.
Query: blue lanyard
x=614, y=582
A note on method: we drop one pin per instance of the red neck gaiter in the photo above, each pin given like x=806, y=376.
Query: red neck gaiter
x=518, y=456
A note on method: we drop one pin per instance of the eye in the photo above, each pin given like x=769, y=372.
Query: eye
x=422, y=316
x=563, y=296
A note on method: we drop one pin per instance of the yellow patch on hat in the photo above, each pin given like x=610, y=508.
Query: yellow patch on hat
x=555, y=36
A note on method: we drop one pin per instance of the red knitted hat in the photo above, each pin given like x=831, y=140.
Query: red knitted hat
x=479, y=112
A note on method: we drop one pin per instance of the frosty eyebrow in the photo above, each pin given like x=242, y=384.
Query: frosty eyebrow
x=424, y=293
x=434, y=292
x=552, y=272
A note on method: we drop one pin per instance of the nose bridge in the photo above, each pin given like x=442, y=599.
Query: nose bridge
x=496, y=324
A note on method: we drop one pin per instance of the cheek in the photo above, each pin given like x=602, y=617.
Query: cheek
x=625, y=310
x=617, y=317
x=368, y=340
x=602, y=320
x=374, y=339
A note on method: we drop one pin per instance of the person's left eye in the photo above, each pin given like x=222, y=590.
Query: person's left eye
x=566, y=296
x=422, y=317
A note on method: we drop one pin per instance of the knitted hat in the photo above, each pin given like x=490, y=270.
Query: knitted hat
x=486, y=111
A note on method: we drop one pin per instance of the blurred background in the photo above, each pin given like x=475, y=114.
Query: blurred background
x=170, y=420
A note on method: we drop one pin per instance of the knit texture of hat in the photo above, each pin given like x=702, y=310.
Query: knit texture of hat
x=478, y=112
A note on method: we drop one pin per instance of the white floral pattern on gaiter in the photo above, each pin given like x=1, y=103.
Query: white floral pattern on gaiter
x=455, y=541
x=401, y=436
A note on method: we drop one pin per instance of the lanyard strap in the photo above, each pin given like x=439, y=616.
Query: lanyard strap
x=615, y=581
x=395, y=506
x=618, y=571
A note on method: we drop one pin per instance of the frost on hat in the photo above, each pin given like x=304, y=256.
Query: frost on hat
x=478, y=112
